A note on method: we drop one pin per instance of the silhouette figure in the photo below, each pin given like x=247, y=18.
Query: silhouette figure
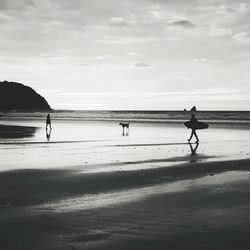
x=193, y=109
x=193, y=150
x=193, y=120
x=48, y=134
x=48, y=122
x=125, y=127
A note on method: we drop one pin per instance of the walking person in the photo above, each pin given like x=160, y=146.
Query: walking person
x=48, y=122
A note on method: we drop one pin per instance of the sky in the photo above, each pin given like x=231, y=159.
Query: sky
x=130, y=54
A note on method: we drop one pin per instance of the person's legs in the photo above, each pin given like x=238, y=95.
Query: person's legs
x=192, y=133
x=196, y=136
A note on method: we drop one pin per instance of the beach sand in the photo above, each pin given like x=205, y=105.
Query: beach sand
x=89, y=187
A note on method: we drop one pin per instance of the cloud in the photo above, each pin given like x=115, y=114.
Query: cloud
x=205, y=60
x=171, y=99
x=49, y=55
x=15, y=4
x=132, y=53
x=87, y=65
x=183, y=23
x=117, y=21
x=243, y=37
x=125, y=39
x=216, y=31
x=100, y=57
x=142, y=65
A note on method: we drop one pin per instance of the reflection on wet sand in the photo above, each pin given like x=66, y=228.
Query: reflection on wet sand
x=193, y=151
x=48, y=134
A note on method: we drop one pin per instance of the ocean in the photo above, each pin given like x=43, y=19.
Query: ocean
x=133, y=116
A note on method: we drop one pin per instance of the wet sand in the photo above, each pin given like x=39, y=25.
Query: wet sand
x=145, y=191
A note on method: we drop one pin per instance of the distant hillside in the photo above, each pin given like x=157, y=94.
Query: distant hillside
x=16, y=96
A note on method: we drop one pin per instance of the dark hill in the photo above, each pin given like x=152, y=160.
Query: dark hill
x=16, y=96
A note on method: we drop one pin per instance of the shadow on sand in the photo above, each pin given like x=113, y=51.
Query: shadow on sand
x=13, y=132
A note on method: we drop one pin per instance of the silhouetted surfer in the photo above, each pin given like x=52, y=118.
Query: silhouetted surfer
x=48, y=122
x=193, y=109
x=194, y=124
x=193, y=121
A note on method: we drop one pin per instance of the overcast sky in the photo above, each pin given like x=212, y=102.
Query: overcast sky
x=130, y=54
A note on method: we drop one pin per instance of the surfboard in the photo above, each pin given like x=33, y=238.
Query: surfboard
x=196, y=125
